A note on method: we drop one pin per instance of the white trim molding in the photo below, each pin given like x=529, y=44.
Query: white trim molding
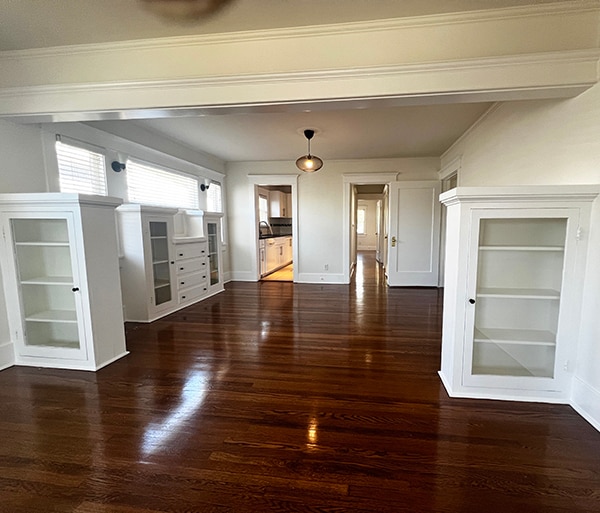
x=585, y=400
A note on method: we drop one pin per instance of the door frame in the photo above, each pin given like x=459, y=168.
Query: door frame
x=256, y=181
x=349, y=181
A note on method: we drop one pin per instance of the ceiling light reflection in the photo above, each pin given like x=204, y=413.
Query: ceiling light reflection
x=157, y=435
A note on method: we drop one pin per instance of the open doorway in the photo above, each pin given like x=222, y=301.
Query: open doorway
x=370, y=248
x=275, y=233
x=276, y=222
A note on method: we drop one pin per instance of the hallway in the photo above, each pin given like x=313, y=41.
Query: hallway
x=284, y=397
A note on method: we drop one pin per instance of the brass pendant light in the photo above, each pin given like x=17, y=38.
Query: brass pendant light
x=309, y=163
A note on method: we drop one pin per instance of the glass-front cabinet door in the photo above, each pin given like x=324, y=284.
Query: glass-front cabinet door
x=161, y=267
x=516, y=283
x=212, y=229
x=49, y=287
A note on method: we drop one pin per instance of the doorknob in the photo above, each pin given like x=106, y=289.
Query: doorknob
x=393, y=242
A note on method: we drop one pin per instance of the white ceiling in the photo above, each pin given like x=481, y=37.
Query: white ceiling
x=344, y=132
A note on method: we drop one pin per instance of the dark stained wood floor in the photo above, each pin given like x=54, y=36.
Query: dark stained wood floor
x=275, y=397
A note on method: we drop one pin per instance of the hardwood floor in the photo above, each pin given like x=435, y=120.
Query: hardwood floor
x=284, y=274
x=275, y=397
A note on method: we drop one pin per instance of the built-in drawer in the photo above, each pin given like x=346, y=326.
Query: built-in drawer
x=191, y=280
x=193, y=250
x=192, y=293
x=192, y=265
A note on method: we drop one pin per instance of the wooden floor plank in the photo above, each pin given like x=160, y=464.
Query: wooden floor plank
x=282, y=397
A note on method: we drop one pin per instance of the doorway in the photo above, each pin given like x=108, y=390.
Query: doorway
x=371, y=231
x=276, y=223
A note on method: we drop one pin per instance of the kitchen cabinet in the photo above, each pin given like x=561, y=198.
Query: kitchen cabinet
x=280, y=204
x=512, y=300
x=61, y=279
x=148, y=268
x=278, y=253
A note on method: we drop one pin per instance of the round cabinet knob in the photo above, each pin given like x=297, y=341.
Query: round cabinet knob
x=472, y=301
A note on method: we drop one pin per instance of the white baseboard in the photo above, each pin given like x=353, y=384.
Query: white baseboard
x=7, y=355
x=322, y=278
x=366, y=248
x=242, y=276
x=585, y=400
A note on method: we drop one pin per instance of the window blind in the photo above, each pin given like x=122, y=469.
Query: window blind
x=214, y=198
x=150, y=185
x=80, y=170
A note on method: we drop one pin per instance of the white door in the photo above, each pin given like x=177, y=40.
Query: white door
x=414, y=232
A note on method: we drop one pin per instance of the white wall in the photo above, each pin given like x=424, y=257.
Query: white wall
x=320, y=211
x=548, y=142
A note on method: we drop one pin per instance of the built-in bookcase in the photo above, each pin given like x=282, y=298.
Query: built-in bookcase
x=514, y=266
x=61, y=278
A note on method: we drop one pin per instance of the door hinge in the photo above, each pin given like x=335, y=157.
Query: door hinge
x=578, y=234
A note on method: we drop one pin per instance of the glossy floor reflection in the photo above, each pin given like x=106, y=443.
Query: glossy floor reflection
x=281, y=397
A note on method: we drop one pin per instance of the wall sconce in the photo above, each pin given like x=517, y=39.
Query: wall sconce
x=117, y=167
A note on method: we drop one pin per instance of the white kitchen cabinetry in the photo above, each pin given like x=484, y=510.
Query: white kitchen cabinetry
x=61, y=278
x=280, y=204
x=148, y=268
x=515, y=259
x=278, y=253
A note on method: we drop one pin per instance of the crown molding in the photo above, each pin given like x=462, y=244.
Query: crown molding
x=568, y=7
x=552, y=74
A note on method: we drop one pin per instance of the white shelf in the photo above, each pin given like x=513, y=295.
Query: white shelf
x=514, y=293
x=69, y=316
x=159, y=284
x=515, y=337
x=521, y=248
x=158, y=262
x=49, y=280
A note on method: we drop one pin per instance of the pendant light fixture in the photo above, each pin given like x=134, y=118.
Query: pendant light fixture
x=309, y=163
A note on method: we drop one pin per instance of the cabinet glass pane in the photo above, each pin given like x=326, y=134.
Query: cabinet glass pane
x=45, y=275
x=161, y=271
x=40, y=230
x=213, y=256
x=519, y=279
x=162, y=282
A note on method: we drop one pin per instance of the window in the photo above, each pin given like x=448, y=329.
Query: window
x=150, y=185
x=80, y=169
x=214, y=198
x=263, y=208
x=361, y=220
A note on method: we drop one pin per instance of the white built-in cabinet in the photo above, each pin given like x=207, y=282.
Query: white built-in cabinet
x=171, y=259
x=61, y=278
x=148, y=262
x=515, y=259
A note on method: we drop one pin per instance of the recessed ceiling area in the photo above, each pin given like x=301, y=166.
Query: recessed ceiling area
x=386, y=132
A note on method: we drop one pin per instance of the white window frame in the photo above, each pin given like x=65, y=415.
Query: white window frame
x=133, y=197
x=95, y=182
